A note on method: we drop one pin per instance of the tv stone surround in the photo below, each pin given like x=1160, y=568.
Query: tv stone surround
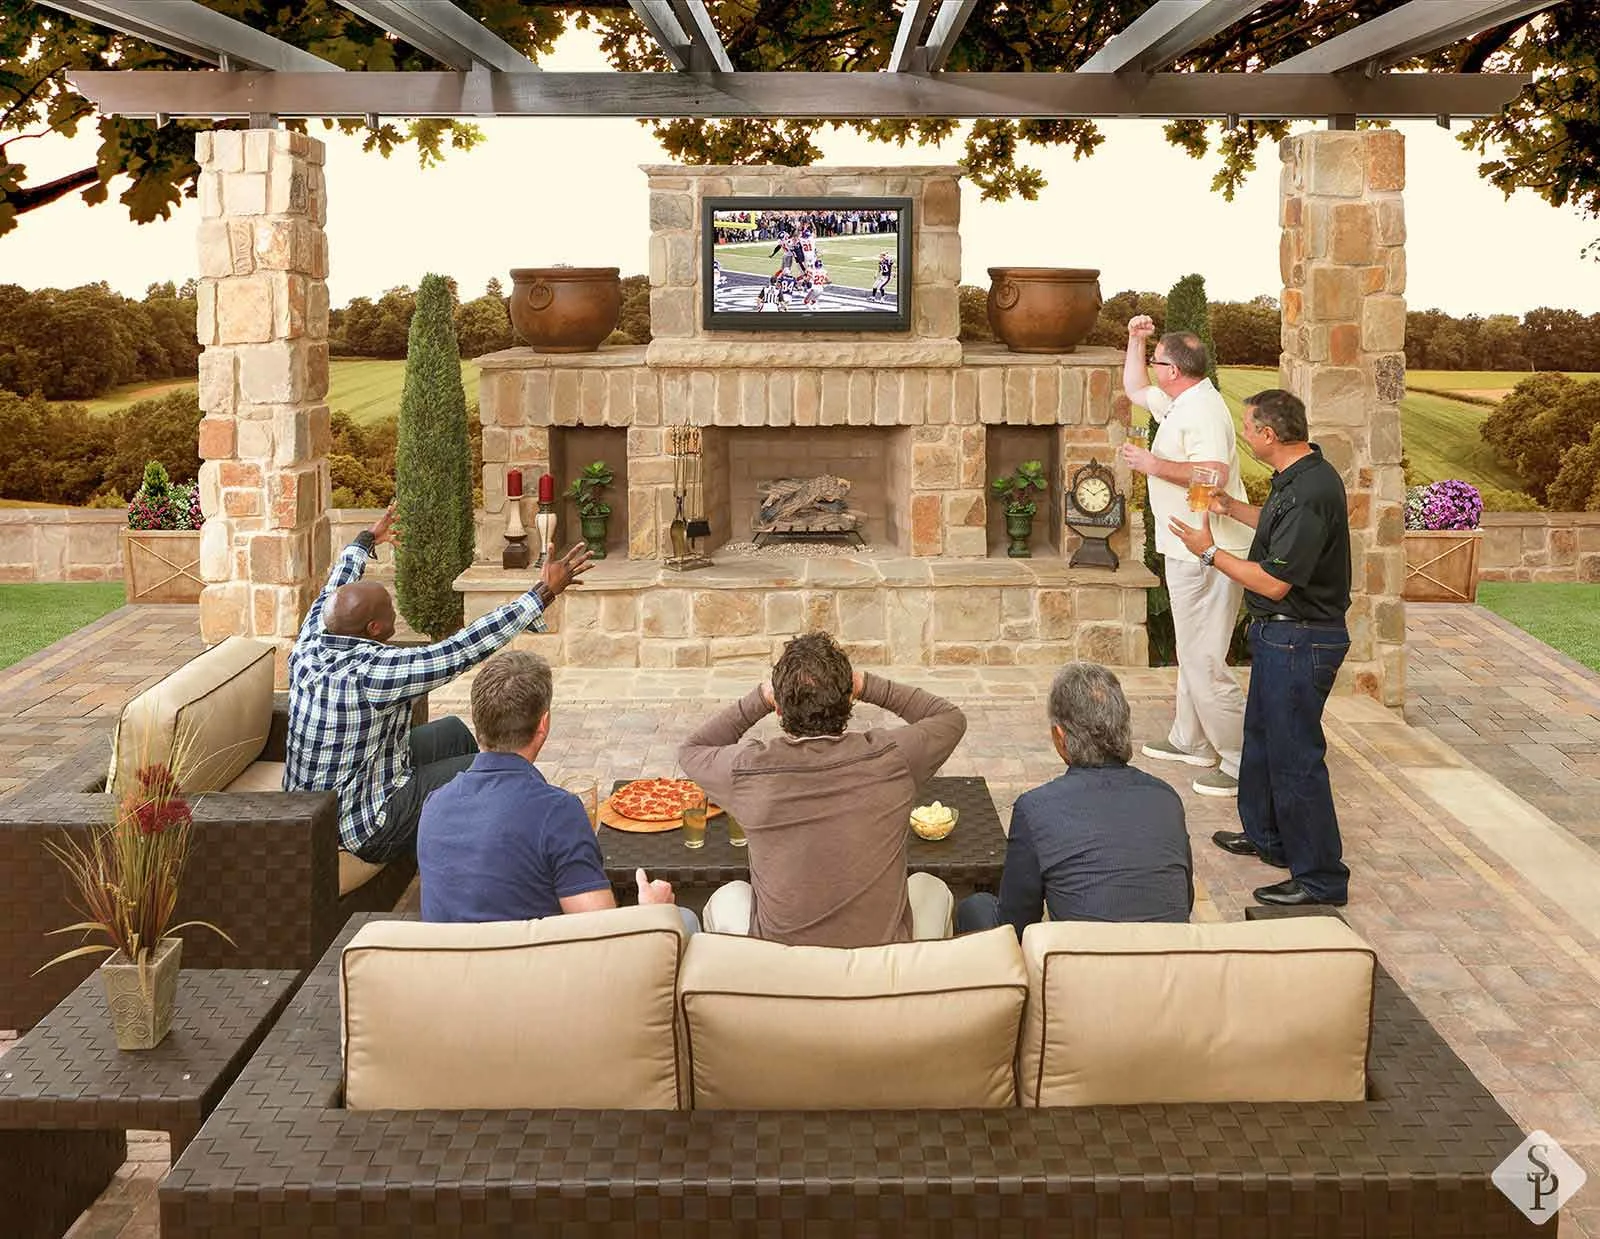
x=918, y=421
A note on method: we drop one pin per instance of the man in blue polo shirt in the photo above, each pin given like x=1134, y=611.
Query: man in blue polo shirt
x=498, y=843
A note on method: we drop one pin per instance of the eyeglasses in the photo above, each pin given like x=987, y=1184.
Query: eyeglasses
x=1162, y=361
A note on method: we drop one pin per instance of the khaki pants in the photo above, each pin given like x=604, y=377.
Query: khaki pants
x=1210, y=711
x=932, y=908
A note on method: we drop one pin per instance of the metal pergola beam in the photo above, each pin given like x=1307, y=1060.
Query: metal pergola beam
x=828, y=96
x=191, y=29
x=1165, y=31
x=439, y=29
x=916, y=52
x=662, y=23
x=908, y=53
x=706, y=53
x=1413, y=29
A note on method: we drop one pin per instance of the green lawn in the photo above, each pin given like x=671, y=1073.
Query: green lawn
x=366, y=390
x=34, y=616
x=1566, y=617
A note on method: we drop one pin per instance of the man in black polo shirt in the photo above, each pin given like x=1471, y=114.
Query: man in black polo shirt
x=1297, y=590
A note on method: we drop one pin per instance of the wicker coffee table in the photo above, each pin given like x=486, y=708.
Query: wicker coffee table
x=968, y=860
x=68, y=1095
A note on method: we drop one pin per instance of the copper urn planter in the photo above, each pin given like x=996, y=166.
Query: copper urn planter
x=565, y=309
x=1043, y=309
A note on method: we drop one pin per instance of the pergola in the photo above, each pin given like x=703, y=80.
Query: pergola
x=1343, y=79
x=263, y=303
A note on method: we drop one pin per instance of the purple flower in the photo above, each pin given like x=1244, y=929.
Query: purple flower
x=1451, y=504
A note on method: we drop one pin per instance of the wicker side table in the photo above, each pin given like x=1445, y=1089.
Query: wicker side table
x=68, y=1095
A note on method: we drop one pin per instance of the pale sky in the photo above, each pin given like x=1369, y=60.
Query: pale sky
x=541, y=191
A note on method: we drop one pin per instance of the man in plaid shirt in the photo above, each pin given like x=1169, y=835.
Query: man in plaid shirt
x=350, y=696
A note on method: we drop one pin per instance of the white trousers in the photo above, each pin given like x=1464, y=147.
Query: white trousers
x=1210, y=713
x=933, y=908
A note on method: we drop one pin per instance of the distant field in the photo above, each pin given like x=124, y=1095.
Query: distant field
x=366, y=390
x=1479, y=382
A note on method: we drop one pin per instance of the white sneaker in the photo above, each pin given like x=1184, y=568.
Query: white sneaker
x=1215, y=783
x=1162, y=751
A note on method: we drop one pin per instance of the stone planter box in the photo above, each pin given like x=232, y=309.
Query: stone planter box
x=1442, y=565
x=162, y=565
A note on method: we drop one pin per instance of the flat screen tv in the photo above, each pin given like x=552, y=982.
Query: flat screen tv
x=806, y=264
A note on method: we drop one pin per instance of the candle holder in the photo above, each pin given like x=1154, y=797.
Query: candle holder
x=516, y=553
x=544, y=524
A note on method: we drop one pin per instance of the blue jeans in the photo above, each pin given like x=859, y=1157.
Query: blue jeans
x=1285, y=801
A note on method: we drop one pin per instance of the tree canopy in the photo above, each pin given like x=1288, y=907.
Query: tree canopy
x=1547, y=141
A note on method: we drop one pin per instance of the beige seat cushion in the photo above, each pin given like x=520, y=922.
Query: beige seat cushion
x=917, y=1025
x=216, y=708
x=1252, y=1011
x=570, y=1011
x=267, y=776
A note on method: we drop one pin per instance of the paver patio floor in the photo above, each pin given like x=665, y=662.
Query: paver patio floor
x=1477, y=882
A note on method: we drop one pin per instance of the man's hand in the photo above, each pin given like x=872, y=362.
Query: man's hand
x=1139, y=459
x=657, y=891
x=1141, y=326
x=384, y=530
x=558, y=573
x=1197, y=540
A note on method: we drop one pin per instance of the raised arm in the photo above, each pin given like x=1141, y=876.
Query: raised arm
x=934, y=726
x=348, y=566
x=1135, y=374
x=709, y=754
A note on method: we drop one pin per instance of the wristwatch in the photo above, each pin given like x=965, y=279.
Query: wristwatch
x=1209, y=555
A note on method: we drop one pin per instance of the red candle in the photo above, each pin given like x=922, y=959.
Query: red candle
x=513, y=483
x=547, y=489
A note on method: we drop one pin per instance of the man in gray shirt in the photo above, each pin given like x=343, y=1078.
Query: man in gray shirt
x=1101, y=842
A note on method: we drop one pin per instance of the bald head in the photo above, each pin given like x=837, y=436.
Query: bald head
x=360, y=609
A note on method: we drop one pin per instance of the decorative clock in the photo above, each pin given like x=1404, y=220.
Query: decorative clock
x=1094, y=511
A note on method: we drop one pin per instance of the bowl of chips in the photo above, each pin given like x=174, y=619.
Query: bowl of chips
x=934, y=821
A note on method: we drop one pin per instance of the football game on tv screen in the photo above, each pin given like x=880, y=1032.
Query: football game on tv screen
x=814, y=264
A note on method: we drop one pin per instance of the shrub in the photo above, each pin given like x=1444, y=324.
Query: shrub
x=1496, y=499
x=433, y=464
x=161, y=505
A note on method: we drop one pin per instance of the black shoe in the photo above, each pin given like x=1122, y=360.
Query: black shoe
x=1238, y=843
x=1290, y=894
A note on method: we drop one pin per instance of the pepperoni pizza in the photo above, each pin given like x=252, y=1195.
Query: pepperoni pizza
x=653, y=800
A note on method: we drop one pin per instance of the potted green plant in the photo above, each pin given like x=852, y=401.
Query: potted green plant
x=161, y=545
x=593, y=511
x=1014, y=489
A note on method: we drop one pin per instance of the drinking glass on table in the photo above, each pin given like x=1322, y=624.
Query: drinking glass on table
x=736, y=832
x=1204, y=480
x=694, y=820
x=586, y=787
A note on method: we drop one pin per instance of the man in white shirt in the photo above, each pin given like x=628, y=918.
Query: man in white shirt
x=1193, y=429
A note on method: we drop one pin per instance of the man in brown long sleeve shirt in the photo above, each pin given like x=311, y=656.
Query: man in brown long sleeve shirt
x=826, y=810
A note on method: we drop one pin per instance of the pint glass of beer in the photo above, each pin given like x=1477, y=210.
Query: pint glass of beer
x=1203, y=483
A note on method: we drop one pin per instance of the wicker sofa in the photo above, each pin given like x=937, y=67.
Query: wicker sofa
x=283, y=1154
x=265, y=864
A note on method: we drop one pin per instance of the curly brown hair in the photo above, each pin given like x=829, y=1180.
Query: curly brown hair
x=811, y=685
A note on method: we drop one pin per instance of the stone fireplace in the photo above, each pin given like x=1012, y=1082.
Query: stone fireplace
x=916, y=421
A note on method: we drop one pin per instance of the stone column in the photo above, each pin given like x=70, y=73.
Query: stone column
x=1343, y=256
x=263, y=327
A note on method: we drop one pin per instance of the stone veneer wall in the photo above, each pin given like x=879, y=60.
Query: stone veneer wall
x=1540, y=546
x=1343, y=259
x=60, y=544
x=263, y=325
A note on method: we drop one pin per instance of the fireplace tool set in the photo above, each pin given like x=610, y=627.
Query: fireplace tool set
x=688, y=488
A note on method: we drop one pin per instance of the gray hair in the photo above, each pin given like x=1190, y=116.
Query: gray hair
x=1184, y=350
x=1283, y=411
x=1088, y=704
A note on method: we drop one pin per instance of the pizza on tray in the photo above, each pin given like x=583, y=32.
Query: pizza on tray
x=653, y=800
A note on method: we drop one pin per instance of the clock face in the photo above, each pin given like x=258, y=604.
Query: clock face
x=1092, y=494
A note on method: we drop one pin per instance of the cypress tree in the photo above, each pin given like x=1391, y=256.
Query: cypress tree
x=433, y=469
x=1187, y=310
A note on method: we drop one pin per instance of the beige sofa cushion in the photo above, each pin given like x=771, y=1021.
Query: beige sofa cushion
x=917, y=1025
x=217, y=707
x=267, y=776
x=1277, y=1010
x=570, y=1011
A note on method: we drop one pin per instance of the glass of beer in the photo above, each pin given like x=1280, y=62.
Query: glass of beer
x=694, y=820
x=736, y=832
x=586, y=787
x=1203, y=483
